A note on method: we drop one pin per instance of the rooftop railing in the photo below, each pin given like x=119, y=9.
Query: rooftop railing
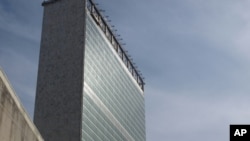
x=102, y=23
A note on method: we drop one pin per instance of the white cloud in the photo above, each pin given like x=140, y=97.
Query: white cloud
x=183, y=116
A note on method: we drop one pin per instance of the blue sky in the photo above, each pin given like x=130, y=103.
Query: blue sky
x=194, y=55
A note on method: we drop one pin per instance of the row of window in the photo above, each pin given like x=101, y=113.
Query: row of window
x=110, y=82
x=100, y=71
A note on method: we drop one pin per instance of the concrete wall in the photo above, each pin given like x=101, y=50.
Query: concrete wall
x=15, y=125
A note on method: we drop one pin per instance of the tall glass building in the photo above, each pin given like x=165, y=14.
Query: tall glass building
x=87, y=88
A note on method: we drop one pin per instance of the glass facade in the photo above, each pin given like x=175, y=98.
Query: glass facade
x=113, y=102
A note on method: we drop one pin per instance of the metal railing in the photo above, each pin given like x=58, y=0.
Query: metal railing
x=102, y=23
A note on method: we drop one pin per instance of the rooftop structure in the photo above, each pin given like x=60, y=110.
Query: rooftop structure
x=102, y=23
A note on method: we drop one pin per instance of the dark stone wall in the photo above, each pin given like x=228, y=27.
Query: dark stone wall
x=59, y=91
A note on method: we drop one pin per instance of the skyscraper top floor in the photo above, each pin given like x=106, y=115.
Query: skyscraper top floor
x=113, y=39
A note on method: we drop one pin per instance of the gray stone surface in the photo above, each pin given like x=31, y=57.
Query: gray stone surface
x=60, y=76
x=15, y=125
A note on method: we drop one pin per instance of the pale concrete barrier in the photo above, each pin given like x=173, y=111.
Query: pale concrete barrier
x=15, y=124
